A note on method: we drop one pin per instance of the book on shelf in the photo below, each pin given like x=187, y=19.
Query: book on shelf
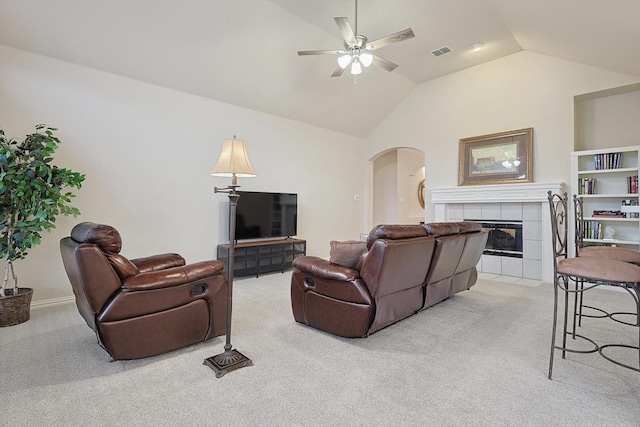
x=587, y=186
x=607, y=161
x=608, y=214
x=632, y=184
x=591, y=230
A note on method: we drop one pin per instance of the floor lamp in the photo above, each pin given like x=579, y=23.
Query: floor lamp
x=234, y=163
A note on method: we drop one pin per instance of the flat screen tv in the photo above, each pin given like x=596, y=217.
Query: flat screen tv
x=266, y=215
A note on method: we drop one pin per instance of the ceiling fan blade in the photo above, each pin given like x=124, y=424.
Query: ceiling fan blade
x=338, y=72
x=319, y=52
x=387, y=65
x=392, y=38
x=346, y=30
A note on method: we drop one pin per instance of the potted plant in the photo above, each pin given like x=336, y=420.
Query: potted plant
x=33, y=192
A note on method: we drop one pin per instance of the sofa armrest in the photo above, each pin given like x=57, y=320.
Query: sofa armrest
x=158, y=262
x=325, y=269
x=173, y=276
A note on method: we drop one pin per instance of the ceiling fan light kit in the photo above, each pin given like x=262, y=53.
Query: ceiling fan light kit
x=357, y=48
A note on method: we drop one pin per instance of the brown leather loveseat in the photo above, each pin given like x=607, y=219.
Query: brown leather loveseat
x=146, y=306
x=405, y=269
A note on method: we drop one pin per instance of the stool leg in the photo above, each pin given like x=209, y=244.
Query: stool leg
x=555, y=323
x=580, y=310
x=575, y=306
x=566, y=315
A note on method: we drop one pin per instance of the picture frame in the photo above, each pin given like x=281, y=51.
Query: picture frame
x=498, y=158
x=421, y=191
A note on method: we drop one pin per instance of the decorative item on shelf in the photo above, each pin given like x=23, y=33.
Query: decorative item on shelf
x=609, y=232
x=233, y=162
x=33, y=193
x=630, y=208
x=499, y=158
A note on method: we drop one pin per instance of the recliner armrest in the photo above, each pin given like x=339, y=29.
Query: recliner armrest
x=172, y=276
x=158, y=262
x=325, y=269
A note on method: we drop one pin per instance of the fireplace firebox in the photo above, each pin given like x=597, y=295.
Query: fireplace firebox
x=504, y=239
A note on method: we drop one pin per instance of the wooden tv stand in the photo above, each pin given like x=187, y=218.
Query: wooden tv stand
x=263, y=256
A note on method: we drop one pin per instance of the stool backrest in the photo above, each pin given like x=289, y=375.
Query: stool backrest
x=559, y=226
x=579, y=225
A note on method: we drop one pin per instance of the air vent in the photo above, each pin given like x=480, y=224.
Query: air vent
x=441, y=51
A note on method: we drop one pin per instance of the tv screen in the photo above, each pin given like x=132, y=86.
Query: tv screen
x=266, y=215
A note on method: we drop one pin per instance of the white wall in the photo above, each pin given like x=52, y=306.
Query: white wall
x=608, y=120
x=147, y=152
x=385, y=188
x=410, y=173
x=519, y=91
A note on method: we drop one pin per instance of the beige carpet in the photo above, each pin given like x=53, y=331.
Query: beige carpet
x=477, y=359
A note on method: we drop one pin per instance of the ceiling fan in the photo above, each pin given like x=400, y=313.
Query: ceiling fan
x=357, y=48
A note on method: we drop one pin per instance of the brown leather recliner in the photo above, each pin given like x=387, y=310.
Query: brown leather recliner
x=142, y=307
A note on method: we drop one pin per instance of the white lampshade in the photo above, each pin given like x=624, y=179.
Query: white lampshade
x=344, y=60
x=366, y=59
x=355, y=67
x=233, y=160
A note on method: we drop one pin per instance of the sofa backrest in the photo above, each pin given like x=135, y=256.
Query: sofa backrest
x=394, y=232
x=459, y=246
x=394, y=265
x=394, y=272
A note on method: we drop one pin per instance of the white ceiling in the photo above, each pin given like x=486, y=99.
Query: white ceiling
x=244, y=52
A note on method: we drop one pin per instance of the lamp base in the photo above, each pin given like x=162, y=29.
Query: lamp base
x=226, y=362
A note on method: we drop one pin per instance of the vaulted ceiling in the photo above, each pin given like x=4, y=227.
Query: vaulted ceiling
x=244, y=52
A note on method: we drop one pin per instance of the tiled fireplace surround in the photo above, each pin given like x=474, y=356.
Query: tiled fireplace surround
x=526, y=202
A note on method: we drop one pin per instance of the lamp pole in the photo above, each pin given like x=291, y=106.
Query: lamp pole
x=233, y=160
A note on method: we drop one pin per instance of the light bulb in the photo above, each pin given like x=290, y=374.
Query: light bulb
x=366, y=59
x=506, y=164
x=344, y=60
x=355, y=67
x=516, y=163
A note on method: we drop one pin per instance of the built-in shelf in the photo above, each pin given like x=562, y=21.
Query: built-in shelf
x=609, y=191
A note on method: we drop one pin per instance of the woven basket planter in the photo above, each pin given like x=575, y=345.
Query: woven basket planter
x=15, y=309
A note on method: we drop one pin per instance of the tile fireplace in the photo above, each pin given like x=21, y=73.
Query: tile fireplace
x=525, y=203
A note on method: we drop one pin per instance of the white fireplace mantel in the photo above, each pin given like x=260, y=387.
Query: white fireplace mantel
x=525, y=192
x=443, y=199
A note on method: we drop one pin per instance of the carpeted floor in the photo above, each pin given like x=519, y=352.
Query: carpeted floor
x=479, y=358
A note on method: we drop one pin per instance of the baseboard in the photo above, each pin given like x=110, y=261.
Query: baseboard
x=52, y=302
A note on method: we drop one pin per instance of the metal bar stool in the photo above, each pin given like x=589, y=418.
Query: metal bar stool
x=579, y=274
x=607, y=252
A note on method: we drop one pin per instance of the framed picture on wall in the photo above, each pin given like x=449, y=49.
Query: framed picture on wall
x=499, y=158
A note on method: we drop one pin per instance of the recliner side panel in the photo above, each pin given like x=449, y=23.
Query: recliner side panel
x=92, y=279
x=346, y=319
x=156, y=333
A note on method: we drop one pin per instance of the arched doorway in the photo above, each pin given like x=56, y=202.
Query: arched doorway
x=397, y=176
